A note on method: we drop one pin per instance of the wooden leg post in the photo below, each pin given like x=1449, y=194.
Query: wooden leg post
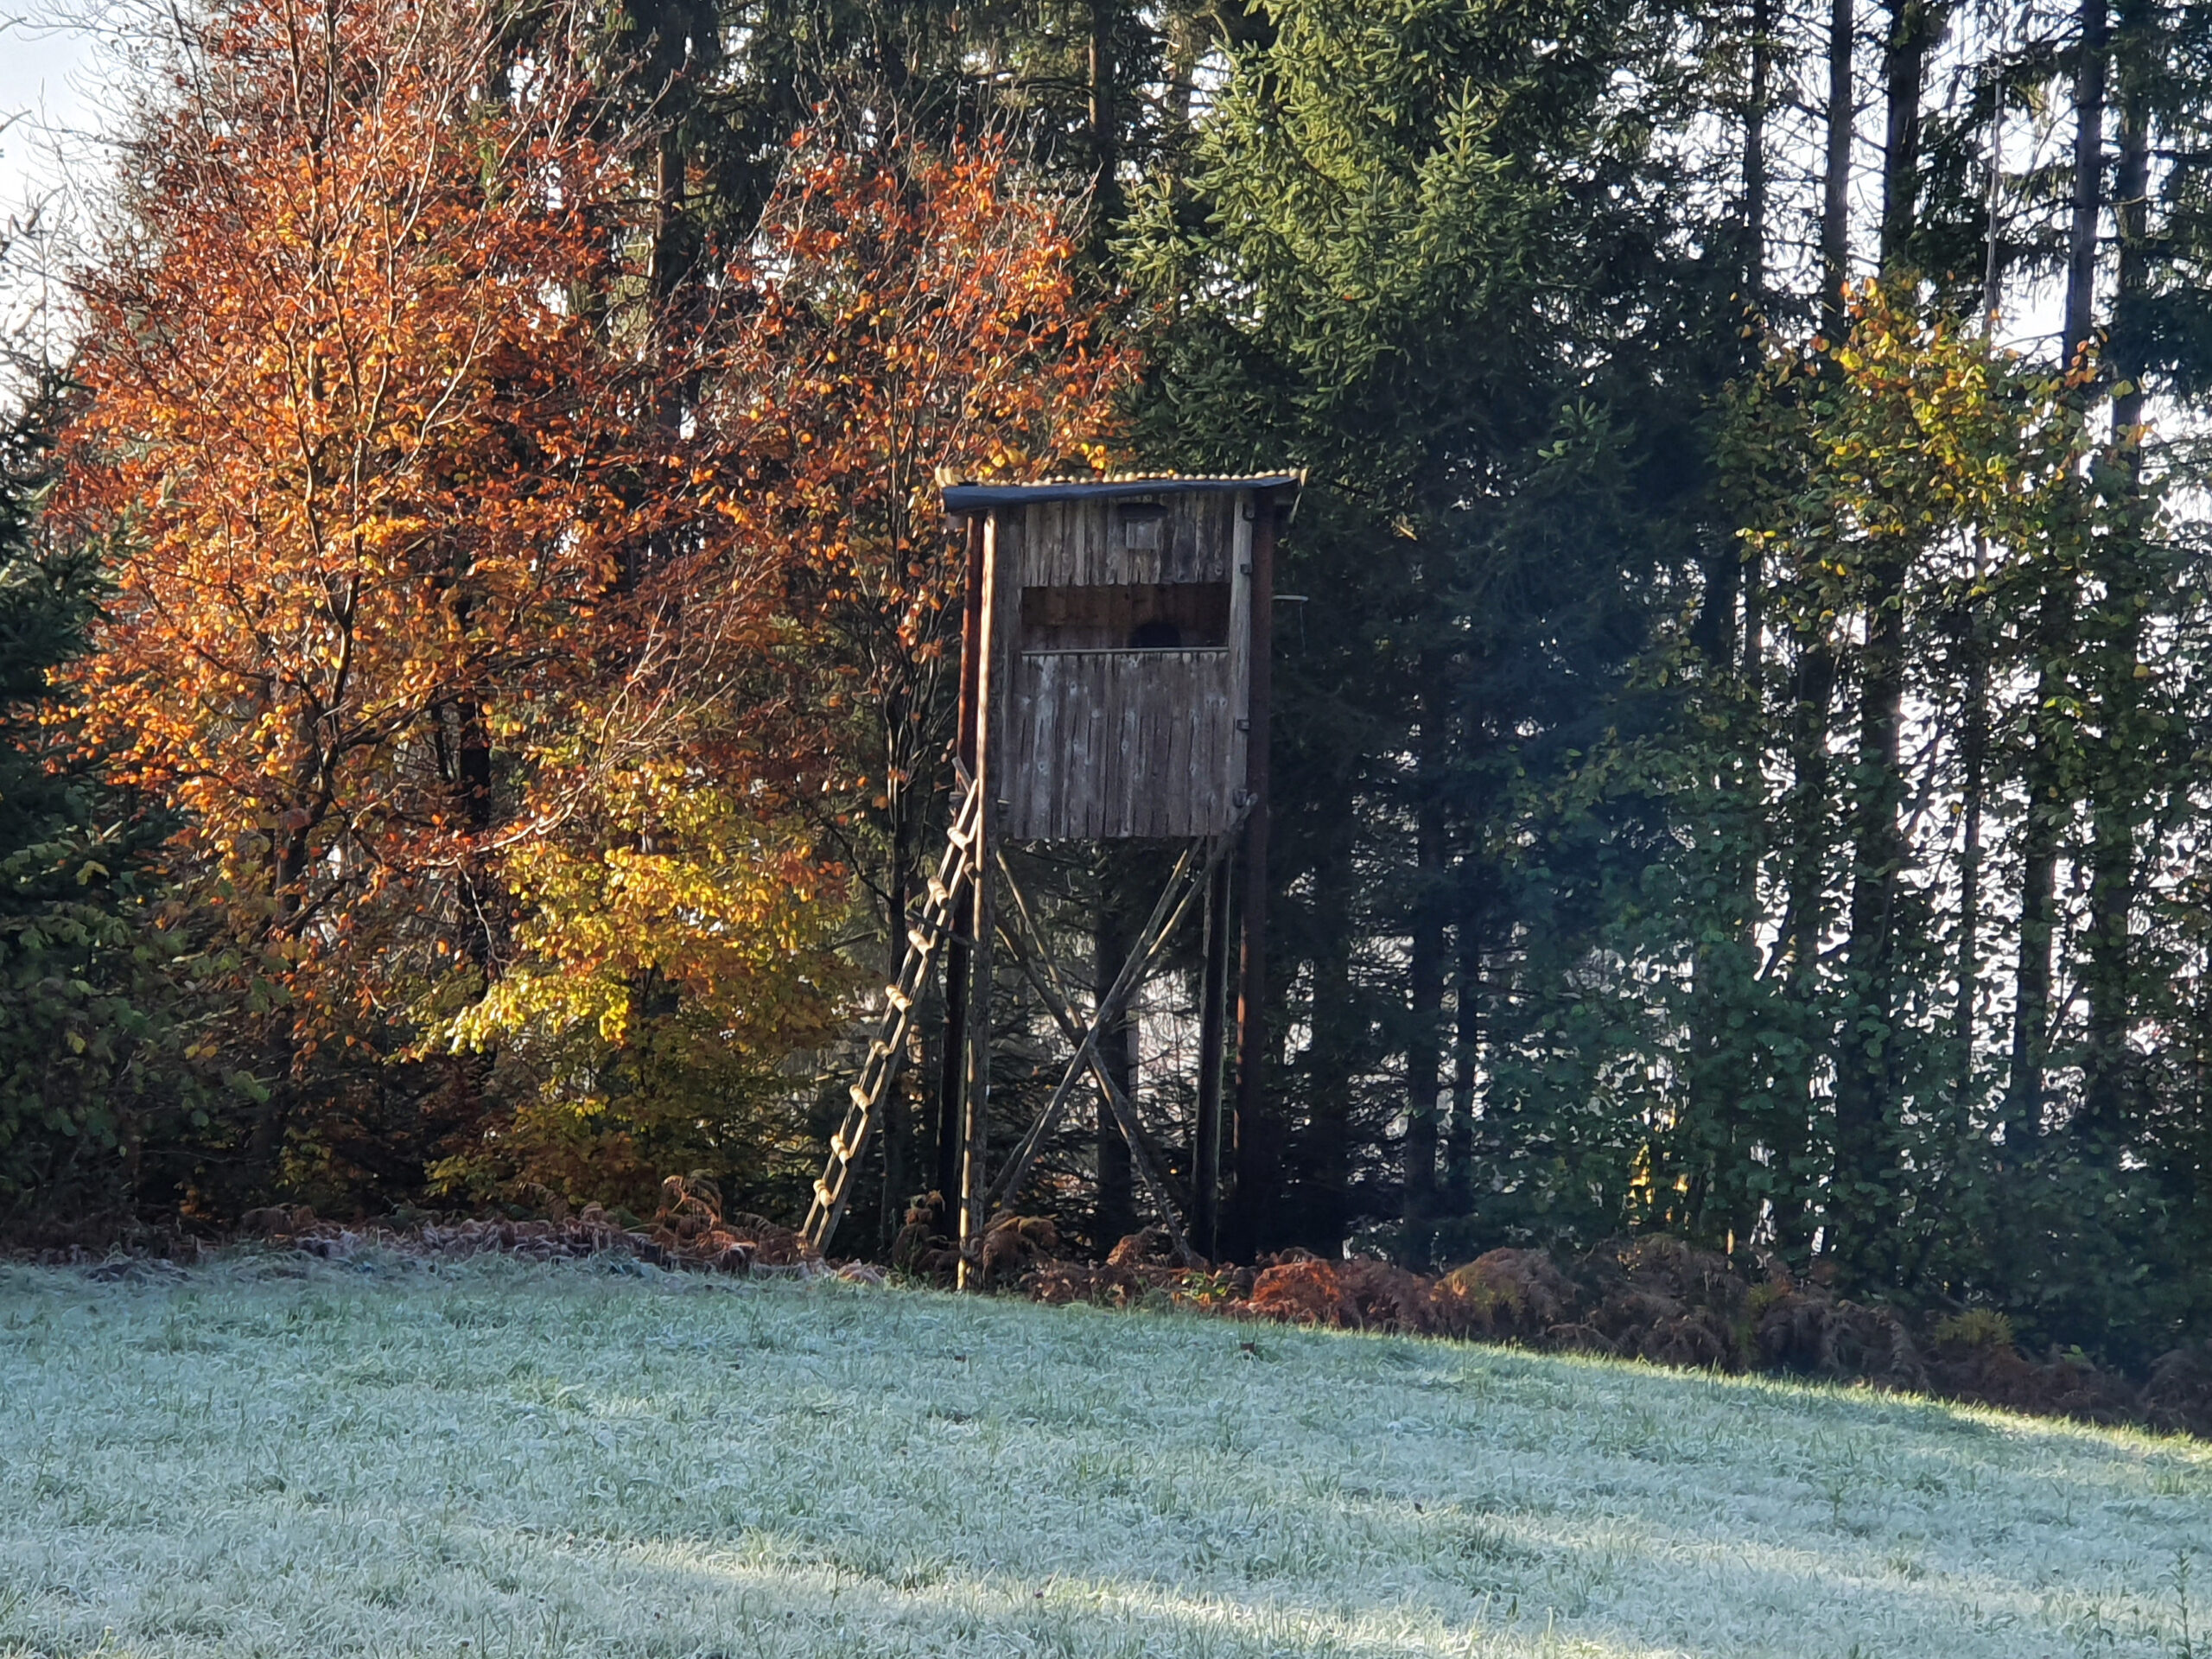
x=976, y=1095
x=1213, y=1030
x=951, y=1078
x=967, y=1056
x=1257, y=1151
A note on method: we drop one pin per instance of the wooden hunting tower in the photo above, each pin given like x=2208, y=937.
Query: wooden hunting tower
x=1113, y=686
x=1114, y=654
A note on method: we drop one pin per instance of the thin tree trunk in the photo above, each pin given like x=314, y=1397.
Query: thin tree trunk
x=1804, y=925
x=1105, y=141
x=1861, y=1197
x=2118, y=633
x=1835, y=181
x=1330, y=1060
x=2089, y=76
x=2047, y=811
x=1805, y=914
x=1973, y=741
x=895, y=1132
x=1754, y=161
x=1425, y=968
x=1973, y=761
x=1717, y=1085
x=1466, y=1045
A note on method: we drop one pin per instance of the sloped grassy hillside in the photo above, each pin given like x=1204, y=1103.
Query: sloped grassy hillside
x=385, y=1459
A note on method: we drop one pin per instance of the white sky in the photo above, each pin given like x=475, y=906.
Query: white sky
x=48, y=93
x=57, y=57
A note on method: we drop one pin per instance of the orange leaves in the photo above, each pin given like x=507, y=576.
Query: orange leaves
x=922, y=312
x=365, y=469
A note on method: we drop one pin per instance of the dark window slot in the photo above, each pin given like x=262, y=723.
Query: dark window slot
x=1156, y=616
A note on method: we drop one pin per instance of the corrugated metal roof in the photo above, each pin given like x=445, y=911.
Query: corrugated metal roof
x=967, y=498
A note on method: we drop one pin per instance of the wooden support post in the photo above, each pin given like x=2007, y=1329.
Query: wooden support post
x=1257, y=1151
x=952, y=1069
x=976, y=1095
x=976, y=686
x=1213, y=1023
x=971, y=645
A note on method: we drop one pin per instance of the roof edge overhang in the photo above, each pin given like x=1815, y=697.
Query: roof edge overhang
x=972, y=498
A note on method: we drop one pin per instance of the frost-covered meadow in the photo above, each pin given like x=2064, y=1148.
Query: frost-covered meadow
x=488, y=1460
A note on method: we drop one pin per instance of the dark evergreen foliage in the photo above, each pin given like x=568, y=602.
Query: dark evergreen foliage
x=92, y=1060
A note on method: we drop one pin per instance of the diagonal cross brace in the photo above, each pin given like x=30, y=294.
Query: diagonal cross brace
x=1184, y=883
x=1110, y=1005
x=1042, y=971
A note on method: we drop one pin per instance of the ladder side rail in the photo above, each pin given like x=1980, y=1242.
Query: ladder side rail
x=934, y=924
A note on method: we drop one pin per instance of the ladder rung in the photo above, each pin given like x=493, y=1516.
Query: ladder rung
x=824, y=1195
x=861, y=1098
x=897, y=998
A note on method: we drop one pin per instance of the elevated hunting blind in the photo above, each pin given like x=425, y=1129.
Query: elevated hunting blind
x=1113, y=686
x=1115, y=653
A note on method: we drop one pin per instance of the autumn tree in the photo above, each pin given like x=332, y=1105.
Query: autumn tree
x=364, y=417
x=925, y=313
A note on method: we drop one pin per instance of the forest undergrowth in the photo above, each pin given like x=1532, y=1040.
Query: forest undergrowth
x=1654, y=1299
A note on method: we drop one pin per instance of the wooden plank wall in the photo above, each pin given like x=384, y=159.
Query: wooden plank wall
x=1075, y=544
x=1114, y=744
x=1110, y=744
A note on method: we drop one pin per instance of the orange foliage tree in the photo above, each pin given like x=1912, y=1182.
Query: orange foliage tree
x=926, y=310
x=364, y=425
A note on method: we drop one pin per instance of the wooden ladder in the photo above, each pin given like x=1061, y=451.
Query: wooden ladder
x=937, y=920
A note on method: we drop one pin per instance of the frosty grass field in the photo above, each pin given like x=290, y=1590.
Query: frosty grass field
x=494, y=1460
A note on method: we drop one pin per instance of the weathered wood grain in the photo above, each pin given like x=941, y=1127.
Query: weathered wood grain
x=1104, y=744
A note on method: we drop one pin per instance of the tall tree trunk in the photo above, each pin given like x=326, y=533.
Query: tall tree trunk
x=1425, y=967
x=1861, y=1197
x=2088, y=208
x=1330, y=1060
x=1836, y=178
x=1805, y=921
x=1105, y=138
x=1805, y=911
x=896, y=1133
x=2116, y=638
x=1973, y=739
x=1915, y=26
x=1716, y=1085
x=1466, y=1043
x=2049, y=809
x=1973, y=766
x=1758, y=95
